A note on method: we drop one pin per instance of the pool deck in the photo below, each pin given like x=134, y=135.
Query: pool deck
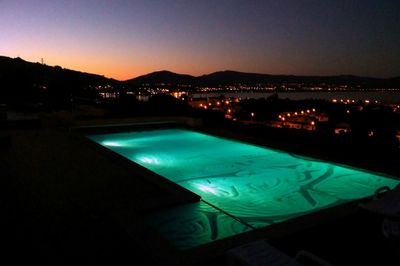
x=66, y=203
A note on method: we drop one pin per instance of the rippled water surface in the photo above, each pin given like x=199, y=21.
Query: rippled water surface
x=250, y=186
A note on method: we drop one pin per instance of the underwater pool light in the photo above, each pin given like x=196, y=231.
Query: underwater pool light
x=207, y=189
x=149, y=160
x=112, y=144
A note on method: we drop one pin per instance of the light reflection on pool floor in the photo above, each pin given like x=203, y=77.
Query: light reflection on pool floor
x=257, y=185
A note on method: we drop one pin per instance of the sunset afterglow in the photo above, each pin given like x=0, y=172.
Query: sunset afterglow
x=124, y=39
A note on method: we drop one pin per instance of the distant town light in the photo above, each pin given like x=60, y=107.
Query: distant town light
x=252, y=114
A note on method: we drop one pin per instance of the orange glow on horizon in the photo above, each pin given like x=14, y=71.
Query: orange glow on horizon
x=110, y=67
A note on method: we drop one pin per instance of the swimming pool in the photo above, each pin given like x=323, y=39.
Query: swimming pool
x=242, y=186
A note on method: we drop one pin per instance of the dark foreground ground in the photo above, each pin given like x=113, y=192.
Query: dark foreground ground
x=64, y=203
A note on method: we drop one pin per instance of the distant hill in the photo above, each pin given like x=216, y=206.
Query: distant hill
x=166, y=77
x=22, y=81
x=230, y=77
x=234, y=77
x=13, y=67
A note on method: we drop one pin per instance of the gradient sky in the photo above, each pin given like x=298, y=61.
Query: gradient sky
x=124, y=39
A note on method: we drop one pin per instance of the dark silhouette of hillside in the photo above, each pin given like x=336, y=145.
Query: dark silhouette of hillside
x=23, y=82
x=166, y=77
x=230, y=77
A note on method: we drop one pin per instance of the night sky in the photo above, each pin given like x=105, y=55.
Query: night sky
x=124, y=39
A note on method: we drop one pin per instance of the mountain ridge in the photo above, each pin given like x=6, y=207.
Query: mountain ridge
x=10, y=65
x=162, y=76
x=230, y=77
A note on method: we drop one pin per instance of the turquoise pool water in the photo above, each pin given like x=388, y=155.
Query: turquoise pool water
x=251, y=186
